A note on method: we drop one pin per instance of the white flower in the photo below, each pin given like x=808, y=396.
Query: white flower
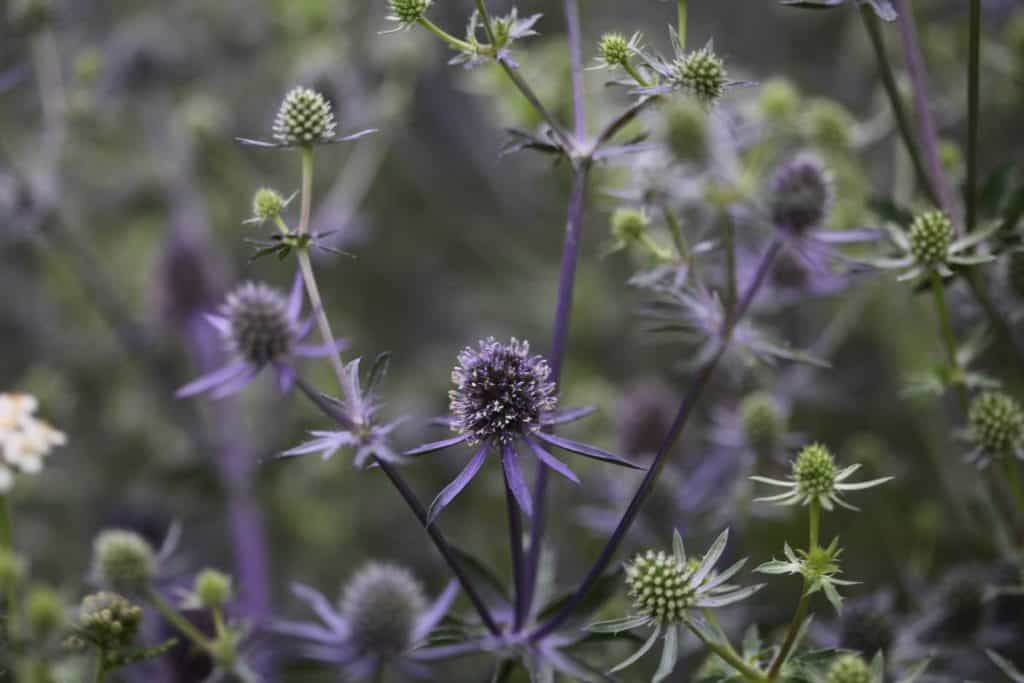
x=24, y=439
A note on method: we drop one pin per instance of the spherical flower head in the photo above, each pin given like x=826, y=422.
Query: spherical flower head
x=800, y=195
x=305, y=118
x=44, y=609
x=123, y=560
x=849, y=668
x=381, y=605
x=931, y=233
x=702, y=72
x=614, y=49
x=267, y=204
x=657, y=584
x=686, y=124
x=779, y=100
x=829, y=124
x=213, y=588
x=762, y=423
x=996, y=423
x=109, y=620
x=409, y=11
x=500, y=391
x=260, y=329
x=629, y=225
x=814, y=471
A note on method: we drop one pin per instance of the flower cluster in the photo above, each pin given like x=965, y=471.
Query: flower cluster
x=25, y=440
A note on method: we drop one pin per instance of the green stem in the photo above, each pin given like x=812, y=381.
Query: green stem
x=100, y=671
x=445, y=36
x=8, y=589
x=974, y=55
x=1014, y=478
x=179, y=622
x=731, y=657
x=659, y=252
x=481, y=7
x=814, y=514
x=794, y=629
x=631, y=70
x=307, y=189
x=682, y=23
x=949, y=339
x=538, y=106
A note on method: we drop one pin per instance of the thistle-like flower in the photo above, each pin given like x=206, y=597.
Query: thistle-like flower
x=502, y=401
x=995, y=427
x=615, y=50
x=700, y=73
x=665, y=587
x=382, y=620
x=267, y=204
x=849, y=668
x=305, y=118
x=819, y=567
x=25, y=440
x=800, y=195
x=261, y=328
x=928, y=246
x=408, y=13
x=816, y=479
x=123, y=560
x=106, y=621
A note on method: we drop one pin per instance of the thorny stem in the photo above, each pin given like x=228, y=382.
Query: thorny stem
x=730, y=656
x=973, y=59
x=686, y=407
x=179, y=622
x=433, y=530
x=347, y=380
x=814, y=524
x=949, y=340
x=892, y=90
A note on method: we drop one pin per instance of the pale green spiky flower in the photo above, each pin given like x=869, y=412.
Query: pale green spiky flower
x=816, y=479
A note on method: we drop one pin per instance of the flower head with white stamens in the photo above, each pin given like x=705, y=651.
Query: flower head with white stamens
x=25, y=440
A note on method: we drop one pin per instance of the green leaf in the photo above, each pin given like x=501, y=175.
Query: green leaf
x=378, y=371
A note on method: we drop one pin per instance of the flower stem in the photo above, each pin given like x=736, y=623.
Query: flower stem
x=949, y=339
x=176, y=619
x=631, y=70
x=794, y=629
x=515, y=540
x=531, y=97
x=814, y=524
x=729, y=656
x=7, y=590
x=481, y=8
x=1014, y=478
x=348, y=382
x=681, y=4
x=686, y=407
x=448, y=38
x=729, y=243
x=973, y=115
x=100, y=670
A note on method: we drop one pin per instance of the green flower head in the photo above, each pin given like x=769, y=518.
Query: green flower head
x=123, y=560
x=995, y=427
x=816, y=479
x=305, y=118
x=701, y=72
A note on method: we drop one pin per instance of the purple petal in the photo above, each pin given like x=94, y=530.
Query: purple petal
x=235, y=385
x=429, y=619
x=455, y=488
x=435, y=446
x=304, y=630
x=256, y=143
x=551, y=461
x=295, y=297
x=285, y=377
x=322, y=607
x=514, y=479
x=305, y=327
x=222, y=324
x=212, y=379
x=569, y=415
x=321, y=350
x=586, y=450
x=356, y=136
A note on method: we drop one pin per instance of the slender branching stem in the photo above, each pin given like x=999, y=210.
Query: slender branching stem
x=632, y=71
x=730, y=657
x=683, y=414
x=178, y=621
x=949, y=340
x=729, y=244
x=1013, y=476
x=531, y=97
x=681, y=6
x=481, y=8
x=515, y=541
x=446, y=37
x=814, y=526
x=99, y=672
x=973, y=115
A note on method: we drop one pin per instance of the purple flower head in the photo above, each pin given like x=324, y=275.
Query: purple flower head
x=503, y=401
x=382, y=620
x=260, y=328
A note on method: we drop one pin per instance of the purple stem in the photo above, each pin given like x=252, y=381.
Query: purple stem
x=922, y=99
x=515, y=539
x=433, y=530
x=651, y=478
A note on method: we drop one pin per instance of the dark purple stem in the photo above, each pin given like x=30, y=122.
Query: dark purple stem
x=651, y=478
x=515, y=540
x=433, y=530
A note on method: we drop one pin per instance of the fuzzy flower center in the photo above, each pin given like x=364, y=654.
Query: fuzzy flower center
x=849, y=668
x=305, y=117
x=814, y=471
x=997, y=422
x=801, y=194
x=382, y=604
x=261, y=331
x=658, y=586
x=701, y=72
x=500, y=391
x=931, y=234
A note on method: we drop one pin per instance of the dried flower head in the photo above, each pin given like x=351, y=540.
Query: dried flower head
x=816, y=479
x=107, y=621
x=304, y=118
x=123, y=560
x=849, y=668
x=995, y=427
x=800, y=195
x=701, y=72
x=500, y=392
x=382, y=604
x=24, y=439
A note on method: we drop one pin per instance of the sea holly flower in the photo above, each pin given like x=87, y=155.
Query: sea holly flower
x=502, y=402
x=929, y=246
x=123, y=560
x=700, y=73
x=382, y=621
x=407, y=13
x=817, y=480
x=995, y=428
x=507, y=30
x=304, y=119
x=25, y=440
x=850, y=667
x=260, y=328
x=819, y=567
x=615, y=51
x=665, y=588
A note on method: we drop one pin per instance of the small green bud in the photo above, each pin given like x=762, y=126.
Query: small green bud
x=779, y=100
x=996, y=423
x=213, y=588
x=123, y=560
x=814, y=471
x=931, y=233
x=657, y=584
x=702, y=72
x=629, y=225
x=821, y=562
x=849, y=668
x=305, y=118
x=762, y=422
x=12, y=568
x=686, y=125
x=409, y=11
x=45, y=610
x=614, y=49
x=267, y=204
x=108, y=621
x=828, y=124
